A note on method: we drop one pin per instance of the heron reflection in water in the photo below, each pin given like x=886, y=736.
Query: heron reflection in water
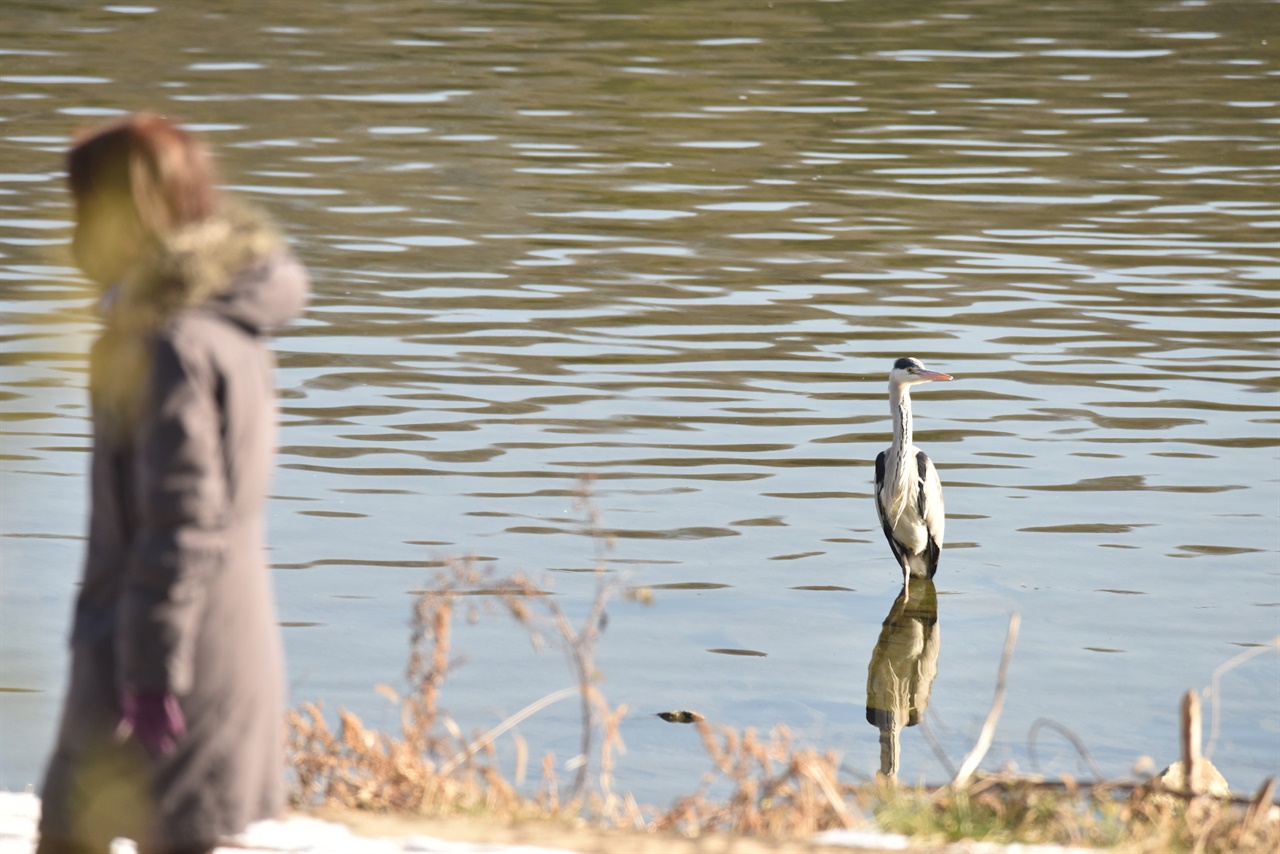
x=902, y=669
x=908, y=491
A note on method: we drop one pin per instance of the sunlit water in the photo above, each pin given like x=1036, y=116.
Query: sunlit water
x=678, y=246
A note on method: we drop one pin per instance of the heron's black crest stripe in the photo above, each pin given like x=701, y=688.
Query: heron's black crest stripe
x=907, y=362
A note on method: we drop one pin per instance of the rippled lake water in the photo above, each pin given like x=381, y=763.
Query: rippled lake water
x=678, y=246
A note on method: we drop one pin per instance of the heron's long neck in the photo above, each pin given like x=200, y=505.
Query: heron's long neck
x=900, y=406
x=900, y=468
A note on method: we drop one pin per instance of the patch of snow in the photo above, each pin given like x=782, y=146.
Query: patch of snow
x=20, y=816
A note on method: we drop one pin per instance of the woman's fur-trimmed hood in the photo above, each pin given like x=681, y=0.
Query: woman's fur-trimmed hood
x=235, y=263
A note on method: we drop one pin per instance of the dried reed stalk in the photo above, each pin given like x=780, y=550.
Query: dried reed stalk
x=983, y=744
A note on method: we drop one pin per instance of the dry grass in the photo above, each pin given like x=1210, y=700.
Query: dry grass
x=1007, y=809
x=777, y=789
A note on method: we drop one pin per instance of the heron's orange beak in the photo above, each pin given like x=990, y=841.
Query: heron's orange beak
x=933, y=375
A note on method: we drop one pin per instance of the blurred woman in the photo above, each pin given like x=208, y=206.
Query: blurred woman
x=172, y=729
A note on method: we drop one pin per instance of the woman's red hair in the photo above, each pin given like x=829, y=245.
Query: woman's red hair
x=165, y=171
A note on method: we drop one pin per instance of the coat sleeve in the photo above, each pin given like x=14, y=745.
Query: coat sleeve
x=181, y=499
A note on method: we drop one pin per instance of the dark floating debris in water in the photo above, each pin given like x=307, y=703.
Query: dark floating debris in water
x=688, y=585
x=754, y=652
x=684, y=716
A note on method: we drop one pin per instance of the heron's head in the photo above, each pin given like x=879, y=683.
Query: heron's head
x=910, y=371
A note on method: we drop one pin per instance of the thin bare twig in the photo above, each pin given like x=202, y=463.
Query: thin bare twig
x=980, y=749
x=1215, y=692
x=934, y=745
x=1070, y=736
x=479, y=743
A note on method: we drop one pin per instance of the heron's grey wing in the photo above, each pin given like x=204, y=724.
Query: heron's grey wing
x=929, y=503
x=882, y=460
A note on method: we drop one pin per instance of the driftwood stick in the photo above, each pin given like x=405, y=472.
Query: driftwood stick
x=980, y=749
x=1191, y=732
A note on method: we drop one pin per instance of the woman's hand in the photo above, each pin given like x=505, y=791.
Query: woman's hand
x=154, y=718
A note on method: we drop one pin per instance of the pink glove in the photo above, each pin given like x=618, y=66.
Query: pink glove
x=154, y=717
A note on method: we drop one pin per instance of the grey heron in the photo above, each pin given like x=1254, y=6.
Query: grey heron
x=908, y=491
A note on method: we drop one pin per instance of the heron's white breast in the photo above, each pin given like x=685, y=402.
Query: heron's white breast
x=901, y=487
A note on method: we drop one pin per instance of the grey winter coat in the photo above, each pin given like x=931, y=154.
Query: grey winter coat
x=176, y=595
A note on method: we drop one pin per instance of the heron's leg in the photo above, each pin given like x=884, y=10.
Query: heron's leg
x=906, y=579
